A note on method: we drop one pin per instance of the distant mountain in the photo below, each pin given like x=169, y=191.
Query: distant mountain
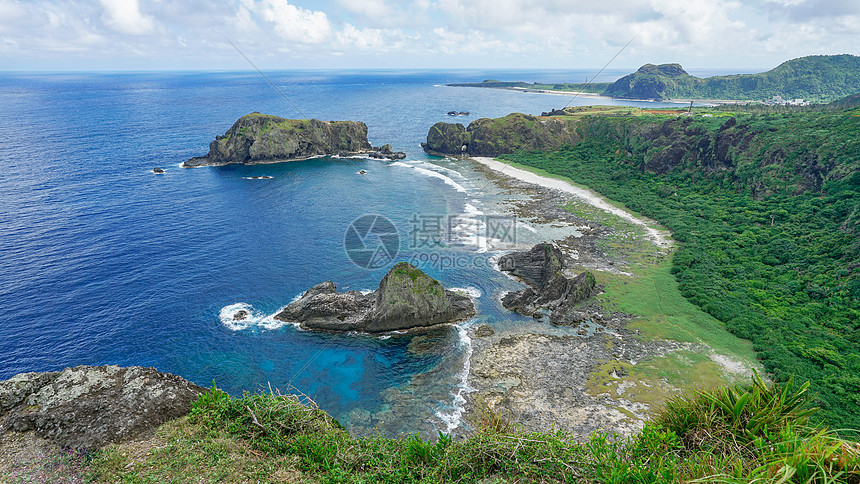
x=818, y=78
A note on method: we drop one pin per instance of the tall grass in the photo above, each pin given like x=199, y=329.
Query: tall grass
x=757, y=432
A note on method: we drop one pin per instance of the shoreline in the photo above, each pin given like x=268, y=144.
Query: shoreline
x=661, y=238
x=595, y=95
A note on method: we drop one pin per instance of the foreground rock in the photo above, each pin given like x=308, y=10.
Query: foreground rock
x=262, y=138
x=91, y=406
x=550, y=291
x=406, y=299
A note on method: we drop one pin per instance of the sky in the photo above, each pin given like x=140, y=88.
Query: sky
x=111, y=35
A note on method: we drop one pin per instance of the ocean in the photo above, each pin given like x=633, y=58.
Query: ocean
x=104, y=262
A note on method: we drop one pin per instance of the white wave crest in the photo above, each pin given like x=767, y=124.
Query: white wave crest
x=470, y=291
x=454, y=418
x=434, y=174
x=252, y=318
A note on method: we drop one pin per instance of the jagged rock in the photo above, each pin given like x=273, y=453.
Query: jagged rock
x=91, y=406
x=386, y=152
x=484, y=330
x=542, y=268
x=262, y=138
x=407, y=298
x=158, y=171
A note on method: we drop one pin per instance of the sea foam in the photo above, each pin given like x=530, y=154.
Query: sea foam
x=454, y=417
x=254, y=318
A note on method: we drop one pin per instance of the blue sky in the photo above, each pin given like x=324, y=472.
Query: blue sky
x=289, y=34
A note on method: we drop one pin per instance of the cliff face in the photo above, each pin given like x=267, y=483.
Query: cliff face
x=407, y=298
x=493, y=137
x=262, y=138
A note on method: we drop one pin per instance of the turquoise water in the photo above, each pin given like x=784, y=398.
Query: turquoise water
x=104, y=262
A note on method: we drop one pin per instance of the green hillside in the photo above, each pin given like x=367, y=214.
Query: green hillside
x=767, y=210
x=814, y=78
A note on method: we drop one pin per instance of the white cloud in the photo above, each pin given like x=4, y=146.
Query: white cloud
x=124, y=16
x=363, y=39
x=368, y=8
x=293, y=23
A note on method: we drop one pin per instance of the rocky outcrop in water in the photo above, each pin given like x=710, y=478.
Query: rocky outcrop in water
x=493, y=137
x=262, y=138
x=406, y=299
x=549, y=291
x=91, y=406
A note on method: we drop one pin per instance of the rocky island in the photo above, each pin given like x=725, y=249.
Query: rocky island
x=407, y=298
x=263, y=138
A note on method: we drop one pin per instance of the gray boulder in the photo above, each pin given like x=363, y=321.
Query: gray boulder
x=407, y=298
x=90, y=406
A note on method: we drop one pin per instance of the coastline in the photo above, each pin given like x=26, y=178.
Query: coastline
x=609, y=372
x=593, y=95
x=660, y=237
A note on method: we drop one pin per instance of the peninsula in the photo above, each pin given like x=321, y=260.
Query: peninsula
x=263, y=138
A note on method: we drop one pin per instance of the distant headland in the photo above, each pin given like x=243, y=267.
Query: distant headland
x=815, y=78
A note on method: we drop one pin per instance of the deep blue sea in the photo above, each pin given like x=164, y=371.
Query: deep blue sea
x=104, y=262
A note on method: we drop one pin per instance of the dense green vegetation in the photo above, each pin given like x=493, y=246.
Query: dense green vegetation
x=767, y=210
x=736, y=434
x=817, y=78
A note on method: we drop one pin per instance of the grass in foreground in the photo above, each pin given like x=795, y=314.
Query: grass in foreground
x=749, y=433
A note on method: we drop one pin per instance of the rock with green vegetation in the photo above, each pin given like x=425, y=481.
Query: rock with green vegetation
x=446, y=139
x=91, y=406
x=542, y=268
x=407, y=298
x=262, y=138
x=493, y=137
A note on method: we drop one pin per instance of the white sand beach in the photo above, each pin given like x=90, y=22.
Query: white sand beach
x=660, y=238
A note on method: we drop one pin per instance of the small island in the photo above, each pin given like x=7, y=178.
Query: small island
x=407, y=298
x=263, y=138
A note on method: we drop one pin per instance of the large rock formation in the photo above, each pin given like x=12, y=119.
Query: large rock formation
x=262, y=138
x=91, y=406
x=650, y=82
x=542, y=268
x=493, y=137
x=406, y=299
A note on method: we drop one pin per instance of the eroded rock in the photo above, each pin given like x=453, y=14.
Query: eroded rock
x=542, y=268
